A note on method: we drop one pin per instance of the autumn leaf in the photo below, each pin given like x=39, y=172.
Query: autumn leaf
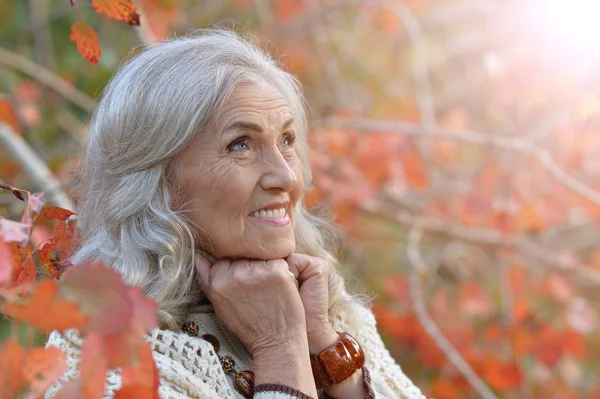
x=35, y=203
x=12, y=359
x=50, y=263
x=445, y=389
x=140, y=378
x=93, y=367
x=66, y=237
x=159, y=15
x=101, y=295
x=123, y=10
x=12, y=231
x=6, y=262
x=46, y=311
x=87, y=42
x=502, y=375
x=8, y=114
x=24, y=271
x=43, y=367
x=54, y=212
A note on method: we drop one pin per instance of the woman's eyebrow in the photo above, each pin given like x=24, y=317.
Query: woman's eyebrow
x=253, y=126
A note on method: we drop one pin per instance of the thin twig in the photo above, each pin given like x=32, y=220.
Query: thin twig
x=416, y=293
x=42, y=177
x=584, y=274
x=47, y=78
x=510, y=143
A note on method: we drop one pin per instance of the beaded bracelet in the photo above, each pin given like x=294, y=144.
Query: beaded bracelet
x=337, y=362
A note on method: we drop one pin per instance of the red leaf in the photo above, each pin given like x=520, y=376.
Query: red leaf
x=43, y=367
x=35, y=202
x=46, y=311
x=54, y=212
x=6, y=262
x=101, y=294
x=140, y=379
x=12, y=359
x=51, y=264
x=502, y=375
x=24, y=271
x=93, y=367
x=70, y=390
x=123, y=10
x=159, y=16
x=86, y=39
x=66, y=237
x=12, y=231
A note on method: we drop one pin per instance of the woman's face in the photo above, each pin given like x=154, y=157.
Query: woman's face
x=240, y=179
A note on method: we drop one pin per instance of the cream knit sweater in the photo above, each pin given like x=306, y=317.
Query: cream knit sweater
x=189, y=368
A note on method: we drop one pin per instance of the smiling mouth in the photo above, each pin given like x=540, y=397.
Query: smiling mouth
x=273, y=216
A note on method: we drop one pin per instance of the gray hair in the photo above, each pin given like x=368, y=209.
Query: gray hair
x=151, y=109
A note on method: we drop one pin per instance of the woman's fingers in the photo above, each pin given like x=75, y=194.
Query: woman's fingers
x=203, y=270
x=305, y=266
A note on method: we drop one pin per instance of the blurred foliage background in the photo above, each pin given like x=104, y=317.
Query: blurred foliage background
x=456, y=142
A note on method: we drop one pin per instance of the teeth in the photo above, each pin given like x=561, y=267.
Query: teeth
x=271, y=213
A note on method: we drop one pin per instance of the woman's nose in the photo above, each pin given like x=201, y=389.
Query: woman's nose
x=278, y=174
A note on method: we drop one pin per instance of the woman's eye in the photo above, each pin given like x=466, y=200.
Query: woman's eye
x=240, y=144
x=289, y=140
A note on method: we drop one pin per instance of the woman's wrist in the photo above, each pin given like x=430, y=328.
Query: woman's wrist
x=351, y=388
x=321, y=338
x=287, y=364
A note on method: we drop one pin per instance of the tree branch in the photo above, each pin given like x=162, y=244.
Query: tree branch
x=42, y=177
x=508, y=143
x=584, y=274
x=47, y=78
x=416, y=293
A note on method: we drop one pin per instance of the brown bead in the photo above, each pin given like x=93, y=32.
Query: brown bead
x=190, y=328
x=244, y=383
x=228, y=364
x=214, y=341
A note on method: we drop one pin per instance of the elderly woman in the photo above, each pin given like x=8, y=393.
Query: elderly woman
x=192, y=188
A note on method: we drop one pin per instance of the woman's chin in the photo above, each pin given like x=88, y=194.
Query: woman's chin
x=266, y=252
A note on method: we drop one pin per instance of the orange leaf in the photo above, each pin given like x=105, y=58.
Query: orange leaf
x=123, y=10
x=522, y=341
x=445, y=389
x=573, y=342
x=54, y=212
x=43, y=367
x=159, y=15
x=51, y=264
x=502, y=375
x=93, y=367
x=104, y=299
x=6, y=262
x=8, y=114
x=12, y=359
x=45, y=311
x=86, y=39
x=140, y=379
x=24, y=271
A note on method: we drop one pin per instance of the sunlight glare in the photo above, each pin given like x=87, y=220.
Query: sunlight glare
x=572, y=25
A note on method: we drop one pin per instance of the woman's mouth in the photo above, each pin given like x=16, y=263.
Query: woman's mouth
x=277, y=217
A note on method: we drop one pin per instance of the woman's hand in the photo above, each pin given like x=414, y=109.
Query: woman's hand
x=313, y=277
x=257, y=300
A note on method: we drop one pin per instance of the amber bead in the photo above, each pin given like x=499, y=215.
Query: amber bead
x=228, y=364
x=244, y=383
x=191, y=328
x=212, y=340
